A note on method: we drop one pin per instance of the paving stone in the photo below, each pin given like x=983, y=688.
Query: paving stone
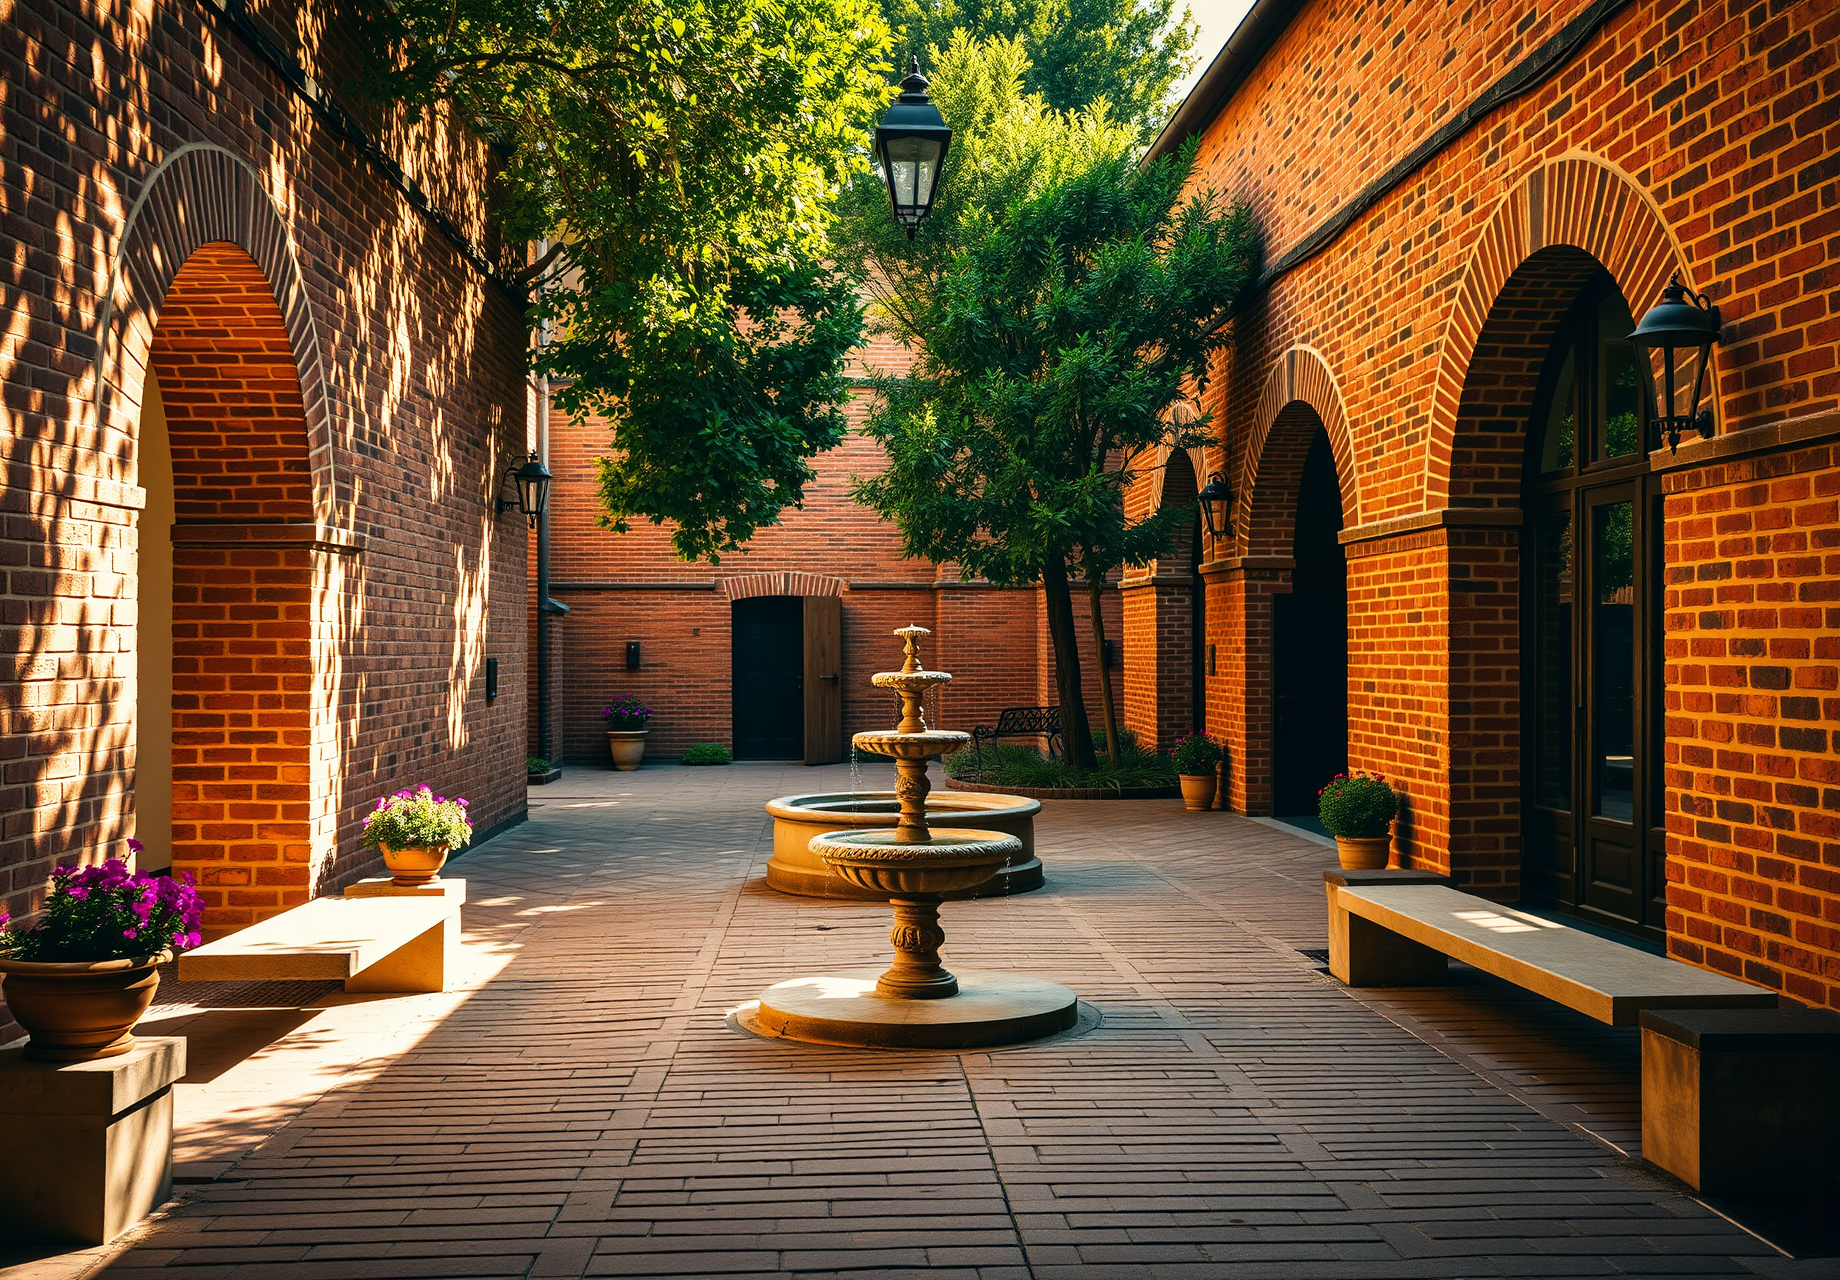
x=581, y=1108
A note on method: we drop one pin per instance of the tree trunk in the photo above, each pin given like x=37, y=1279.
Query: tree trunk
x=1095, y=590
x=1076, y=735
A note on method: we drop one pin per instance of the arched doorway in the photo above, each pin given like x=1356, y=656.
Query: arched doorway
x=237, y=583
x=1593, y=841
x=1310, y=641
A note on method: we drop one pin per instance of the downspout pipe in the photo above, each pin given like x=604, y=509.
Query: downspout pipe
x=545, y=605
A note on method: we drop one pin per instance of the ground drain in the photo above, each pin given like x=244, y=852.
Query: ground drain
x=1319, y=956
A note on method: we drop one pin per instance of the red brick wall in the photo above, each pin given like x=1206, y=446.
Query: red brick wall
x=1678, y=136
x=344, y=387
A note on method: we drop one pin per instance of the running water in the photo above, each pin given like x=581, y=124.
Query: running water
x=855, y=774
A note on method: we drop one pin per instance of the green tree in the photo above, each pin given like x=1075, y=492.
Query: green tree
x=1127, y=52
x=681, y=157
x=1056, y=346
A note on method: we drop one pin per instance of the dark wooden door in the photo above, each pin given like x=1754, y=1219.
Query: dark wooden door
x=823, y=679
x=769, y=676
x=1309, y=630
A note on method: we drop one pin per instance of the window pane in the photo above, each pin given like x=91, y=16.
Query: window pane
x=1618, y=392
x=1553, y=659
x=1559, y=429
x=1613, y=659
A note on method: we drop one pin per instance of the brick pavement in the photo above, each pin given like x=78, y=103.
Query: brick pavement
x=583, y=1109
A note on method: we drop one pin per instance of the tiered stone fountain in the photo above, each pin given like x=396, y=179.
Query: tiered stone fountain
x=916, y=1003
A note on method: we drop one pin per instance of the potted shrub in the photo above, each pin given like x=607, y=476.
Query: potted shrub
x=540, y=772
x=1357, y=809
x=81, y=976
x=626, y=719
x=1197, y=758
x=415, y=830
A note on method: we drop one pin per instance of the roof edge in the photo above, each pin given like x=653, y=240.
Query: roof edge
x=1251, y=39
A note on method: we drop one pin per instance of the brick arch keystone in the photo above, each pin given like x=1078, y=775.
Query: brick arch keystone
x=1300, y=376
x=1579, y=201
x=742, y=586
x=202, y=194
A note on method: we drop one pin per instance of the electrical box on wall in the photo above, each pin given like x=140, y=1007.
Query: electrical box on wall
x=1111, y=653
x=491, y=678
x=1210, y=661
x=632, y=655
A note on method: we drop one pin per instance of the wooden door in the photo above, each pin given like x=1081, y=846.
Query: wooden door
x=823, y=680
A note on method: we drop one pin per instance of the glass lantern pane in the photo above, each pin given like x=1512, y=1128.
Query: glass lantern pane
x=912, y=168
x=1618, y=391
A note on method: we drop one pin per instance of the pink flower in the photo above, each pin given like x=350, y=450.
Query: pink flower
x=135, y=846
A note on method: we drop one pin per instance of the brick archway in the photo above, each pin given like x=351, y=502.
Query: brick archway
x=746, y=586
x=1300, y=395
x=1578, y=205
x=202, y=194
x=243, y=766
x=1158, y=617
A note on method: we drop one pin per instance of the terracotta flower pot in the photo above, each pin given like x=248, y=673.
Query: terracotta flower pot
x=1198, y=790
x=628, y=747
x=1363, y=853
x=414, y=865
x=80, y=1009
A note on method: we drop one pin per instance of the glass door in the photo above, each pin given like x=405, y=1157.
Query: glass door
x=1591, y=716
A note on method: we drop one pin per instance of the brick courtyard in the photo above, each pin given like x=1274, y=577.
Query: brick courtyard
x=580, y=1108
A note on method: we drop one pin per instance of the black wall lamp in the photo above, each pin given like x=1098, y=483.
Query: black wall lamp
x=911, y=143
x=1216, y=503
x=1674, y=349
x=532, y=479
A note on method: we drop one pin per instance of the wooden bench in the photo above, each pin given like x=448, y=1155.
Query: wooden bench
x=1397, y=928
x=1018, y=722
x=376, y=942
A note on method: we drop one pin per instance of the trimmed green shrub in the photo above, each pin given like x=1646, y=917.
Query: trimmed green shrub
x=1017, y=766
x=1196, y=755
x=536, y=764
x=705, y=753
x=1357, y=806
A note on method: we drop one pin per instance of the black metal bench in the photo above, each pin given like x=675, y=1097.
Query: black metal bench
x=1018, y=722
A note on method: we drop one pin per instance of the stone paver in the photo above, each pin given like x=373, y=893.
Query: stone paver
x=582, y=1108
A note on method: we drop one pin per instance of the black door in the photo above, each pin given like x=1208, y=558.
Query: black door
x=769, y=678
x=1591, y=718
x=1310, y=645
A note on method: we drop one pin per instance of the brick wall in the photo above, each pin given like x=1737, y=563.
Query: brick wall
x=1674, y=136
x=343, y=387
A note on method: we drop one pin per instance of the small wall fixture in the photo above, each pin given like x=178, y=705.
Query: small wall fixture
x=911, y=143
x=532, y=480
x=1216, y=503
x=491, y=678
x=632, y=655
x=1673, y=350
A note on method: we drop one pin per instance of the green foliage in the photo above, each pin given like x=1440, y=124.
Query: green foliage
x=1007, y=145
x=536, y=764
x=682, y=156
x=1056, y=346
x=1196, y=755
x=705, y=753
x=1007, y=765
x=1358, y=805
x=416, y=818
x=1127, y=52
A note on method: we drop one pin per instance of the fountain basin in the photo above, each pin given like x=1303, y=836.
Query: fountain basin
x=921, y=745
x=952, y=859
x=795, y=869
x=991, y=1008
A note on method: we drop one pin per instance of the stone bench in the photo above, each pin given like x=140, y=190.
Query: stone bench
x=379, y=938
x=1397, y=928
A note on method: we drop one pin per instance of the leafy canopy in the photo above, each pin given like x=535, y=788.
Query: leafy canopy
x=682, y=157
x=1056, y=348
x=1127, y=52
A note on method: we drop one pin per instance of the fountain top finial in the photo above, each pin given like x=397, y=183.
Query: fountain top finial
x=911, y=634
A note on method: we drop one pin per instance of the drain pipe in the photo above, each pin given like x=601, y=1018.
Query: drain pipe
x=545, y=605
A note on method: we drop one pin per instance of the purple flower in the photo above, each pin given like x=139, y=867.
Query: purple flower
x=128, y=933
x=135, y=846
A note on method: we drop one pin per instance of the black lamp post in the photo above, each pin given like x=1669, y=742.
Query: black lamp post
x=911, y=143
x=1673, y=349
x=1216, y=503
x=532, y=480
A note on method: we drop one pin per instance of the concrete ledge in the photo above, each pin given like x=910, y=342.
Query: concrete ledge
x=89, y=1144
x=1734, y=1100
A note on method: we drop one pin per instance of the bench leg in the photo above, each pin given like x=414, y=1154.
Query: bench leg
x=1362, y=954
x=427, y=964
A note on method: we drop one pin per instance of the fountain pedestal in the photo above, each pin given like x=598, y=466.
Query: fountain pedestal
x=917, y=1002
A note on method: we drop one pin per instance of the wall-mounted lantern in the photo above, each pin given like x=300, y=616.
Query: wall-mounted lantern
x=911, y=143
x=1216, y=503
x=532, y=480
x=1673, y=350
